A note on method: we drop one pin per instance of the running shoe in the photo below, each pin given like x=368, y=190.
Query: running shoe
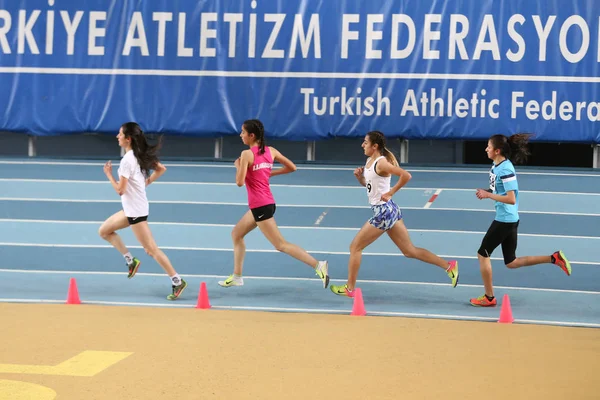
x=560, y=259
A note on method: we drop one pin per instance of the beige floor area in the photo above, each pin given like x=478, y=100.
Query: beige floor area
x=84, y=352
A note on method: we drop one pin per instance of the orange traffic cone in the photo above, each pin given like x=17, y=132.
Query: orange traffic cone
x=506, y=316
x=203, y=301
x=358, y=308
x=73, y=294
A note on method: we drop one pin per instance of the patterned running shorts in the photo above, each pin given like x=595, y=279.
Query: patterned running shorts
x=385, y=215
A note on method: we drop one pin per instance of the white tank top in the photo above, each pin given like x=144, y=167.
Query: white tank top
x=376, y=185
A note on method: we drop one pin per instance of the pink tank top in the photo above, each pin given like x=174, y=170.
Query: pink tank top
x=257, y=179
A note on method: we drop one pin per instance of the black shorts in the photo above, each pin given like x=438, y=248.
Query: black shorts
x=504, y=233
x=136, y=220
x=263, y=213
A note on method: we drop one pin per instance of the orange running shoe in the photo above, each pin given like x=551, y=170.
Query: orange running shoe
x=483, y=301
x=559, y=258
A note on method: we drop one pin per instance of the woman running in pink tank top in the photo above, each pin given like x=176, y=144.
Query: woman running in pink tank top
x=254, y=167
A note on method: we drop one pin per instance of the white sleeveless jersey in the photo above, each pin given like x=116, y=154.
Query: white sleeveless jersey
x=376, y=185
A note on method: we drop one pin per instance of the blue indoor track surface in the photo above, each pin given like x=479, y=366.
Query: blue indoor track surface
x=51, y=211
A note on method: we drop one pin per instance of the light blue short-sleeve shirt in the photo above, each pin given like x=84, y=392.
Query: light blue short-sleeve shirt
x=503, y=179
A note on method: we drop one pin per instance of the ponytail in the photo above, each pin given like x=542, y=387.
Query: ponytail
x=514, y=147
x=518, y=147
x=390, y=157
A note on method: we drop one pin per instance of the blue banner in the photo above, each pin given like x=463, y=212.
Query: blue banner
x=309, y=69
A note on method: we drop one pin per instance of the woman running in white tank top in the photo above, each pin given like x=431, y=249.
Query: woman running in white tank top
x=387, y=216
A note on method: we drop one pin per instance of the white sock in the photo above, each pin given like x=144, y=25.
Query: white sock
x=128, y=258
x=176, y=280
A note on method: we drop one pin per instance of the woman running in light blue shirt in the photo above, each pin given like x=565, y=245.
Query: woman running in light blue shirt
x=504, y=190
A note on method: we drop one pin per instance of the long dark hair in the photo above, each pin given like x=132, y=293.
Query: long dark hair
x=376, y=137
x=146, y=155
x=256, y=127
x=514, y=147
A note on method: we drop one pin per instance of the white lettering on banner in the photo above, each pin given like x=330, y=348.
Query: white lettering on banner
x=457, y=37
x=25, y=34
x=433, y=103
x=373, y=35
x=516, y=37
x=344, y=104
x=585, y=44
x=136, y=35
x=232, y=20
x=398, y=19
x=313, y=35
x=487, y=29
x=6, y=23
x=252, y=34
x=50, y=31
x=207, y=33
x=71, y=29
x=182, y=51
x=96, y=32
x=269, y=51
x=543, y=31
x=290, y=36
x=347, y=34
x=162, y=18
x=548, y=108
x=455, y=30
x=432, y=106
x=431, y=35
x=256, y=33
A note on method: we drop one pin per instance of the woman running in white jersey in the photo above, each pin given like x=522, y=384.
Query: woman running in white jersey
x=133, y=172
x=387, y=216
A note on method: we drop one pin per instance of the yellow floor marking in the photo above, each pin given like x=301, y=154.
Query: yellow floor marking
x=87, y=363
x=15, y=390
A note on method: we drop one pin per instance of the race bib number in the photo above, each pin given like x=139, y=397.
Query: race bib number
x=493, y=182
